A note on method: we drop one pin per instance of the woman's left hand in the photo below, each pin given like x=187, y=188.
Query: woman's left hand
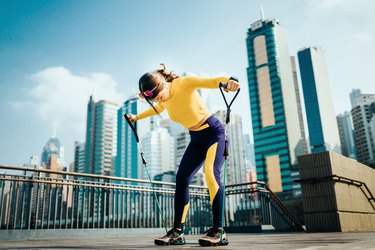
x=232, y=85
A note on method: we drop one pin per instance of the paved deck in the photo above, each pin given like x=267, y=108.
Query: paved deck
x=263, y=241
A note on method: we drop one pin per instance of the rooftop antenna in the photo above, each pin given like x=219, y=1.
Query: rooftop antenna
x=261, y=12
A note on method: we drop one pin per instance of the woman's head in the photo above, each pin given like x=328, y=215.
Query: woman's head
x=150, y=85
x=153, y=82
x=153, y=85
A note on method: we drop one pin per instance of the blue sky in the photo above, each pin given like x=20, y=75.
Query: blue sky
x=54, y=54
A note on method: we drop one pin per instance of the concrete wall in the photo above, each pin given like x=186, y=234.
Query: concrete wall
x=333, y=206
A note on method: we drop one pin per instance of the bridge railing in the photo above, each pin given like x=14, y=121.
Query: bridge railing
x=45, y=199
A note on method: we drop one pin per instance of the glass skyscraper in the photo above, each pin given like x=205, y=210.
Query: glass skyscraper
x=236, y=164
x=345, y=125
x=101, y=135
x=363, y=114
x=127, y=153
x=52, y=147
x=323, y=131
x=159, y=152
x=274, y=107
x=79, y=157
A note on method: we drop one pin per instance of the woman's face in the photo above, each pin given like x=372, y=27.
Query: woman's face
x=163, y=95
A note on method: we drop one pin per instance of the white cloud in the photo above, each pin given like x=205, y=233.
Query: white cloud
x=60, y=97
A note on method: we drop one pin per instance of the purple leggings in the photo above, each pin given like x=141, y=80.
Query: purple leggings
x=206, y=147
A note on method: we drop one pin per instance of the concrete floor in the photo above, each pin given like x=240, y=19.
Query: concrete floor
x=263, y=241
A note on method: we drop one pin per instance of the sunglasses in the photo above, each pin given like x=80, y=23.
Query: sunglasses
x=149, y=93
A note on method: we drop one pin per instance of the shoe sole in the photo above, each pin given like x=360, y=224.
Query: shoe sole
x=171, y=242
x=206, y=243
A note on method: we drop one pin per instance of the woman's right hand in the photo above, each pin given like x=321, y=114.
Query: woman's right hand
x=132, y=118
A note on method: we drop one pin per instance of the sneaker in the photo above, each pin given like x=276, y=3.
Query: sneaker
x=214, y=237
x=173, y=237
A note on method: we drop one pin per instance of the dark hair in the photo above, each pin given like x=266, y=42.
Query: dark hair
x=155, y=80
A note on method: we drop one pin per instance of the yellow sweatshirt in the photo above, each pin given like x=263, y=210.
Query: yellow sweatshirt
x=185, y=105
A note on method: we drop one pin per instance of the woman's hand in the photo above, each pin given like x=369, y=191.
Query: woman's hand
x=132, y=118
x=233, y=85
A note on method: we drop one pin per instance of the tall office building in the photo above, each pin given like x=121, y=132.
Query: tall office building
x=101, y=135
x=52, y=147
x=354, y=97
x=357, y=98
x=276, y=124
x=181, y=138
x=128, y=161
x=299, y=106
x=344, y=123
x=323, y=131
x=159, y=152
x=249, y=153
x=236, y=163
x=79, y=157
x=127, y=152
x=364, y=127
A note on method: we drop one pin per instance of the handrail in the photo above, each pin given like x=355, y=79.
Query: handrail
x=93, y=176
x=42, y=201
x=296, y=222
x=342, y=179
x=298, y=226
x=120, y=187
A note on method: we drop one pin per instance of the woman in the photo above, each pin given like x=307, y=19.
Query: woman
x=179, y=96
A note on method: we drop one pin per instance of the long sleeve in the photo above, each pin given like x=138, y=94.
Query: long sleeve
x=207, y=83
x=150, y=112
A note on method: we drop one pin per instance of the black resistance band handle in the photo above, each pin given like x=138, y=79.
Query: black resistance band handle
x=132, y=127
x=223, y=84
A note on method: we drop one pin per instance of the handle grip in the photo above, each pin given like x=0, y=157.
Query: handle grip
x=223, y=84
x=132, y=127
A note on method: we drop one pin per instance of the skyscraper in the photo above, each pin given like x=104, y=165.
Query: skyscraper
x=274, y=109
x=299, y=106
x=249, y=153
x=344, y=123
x=52, y=147
x=181, y=138
x=236, y=166
x=79, y=157
x=101, y=135
x=323, y=131
x=354, y=97
x=357, y=98
x=364, y=126
x=127, y=153
x=159, y=152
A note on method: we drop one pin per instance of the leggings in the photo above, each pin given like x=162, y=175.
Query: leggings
x=206, y=147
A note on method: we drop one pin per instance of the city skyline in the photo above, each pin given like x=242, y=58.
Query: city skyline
x=54, y=55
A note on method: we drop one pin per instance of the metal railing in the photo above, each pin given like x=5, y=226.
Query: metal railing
x=46, y=199
x=336, y=178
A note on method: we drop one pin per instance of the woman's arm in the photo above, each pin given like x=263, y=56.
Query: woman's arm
x=211, y=83
x=206, y=83
x=149, y=112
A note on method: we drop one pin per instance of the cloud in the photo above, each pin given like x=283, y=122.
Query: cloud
x=60, y=97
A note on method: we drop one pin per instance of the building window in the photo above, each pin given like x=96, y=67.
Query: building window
x=265, y=97
x=274, y=173
x=260, y=50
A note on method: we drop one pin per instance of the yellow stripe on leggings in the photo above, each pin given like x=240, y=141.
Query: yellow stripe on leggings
x=186, y=208
x=213, y=187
